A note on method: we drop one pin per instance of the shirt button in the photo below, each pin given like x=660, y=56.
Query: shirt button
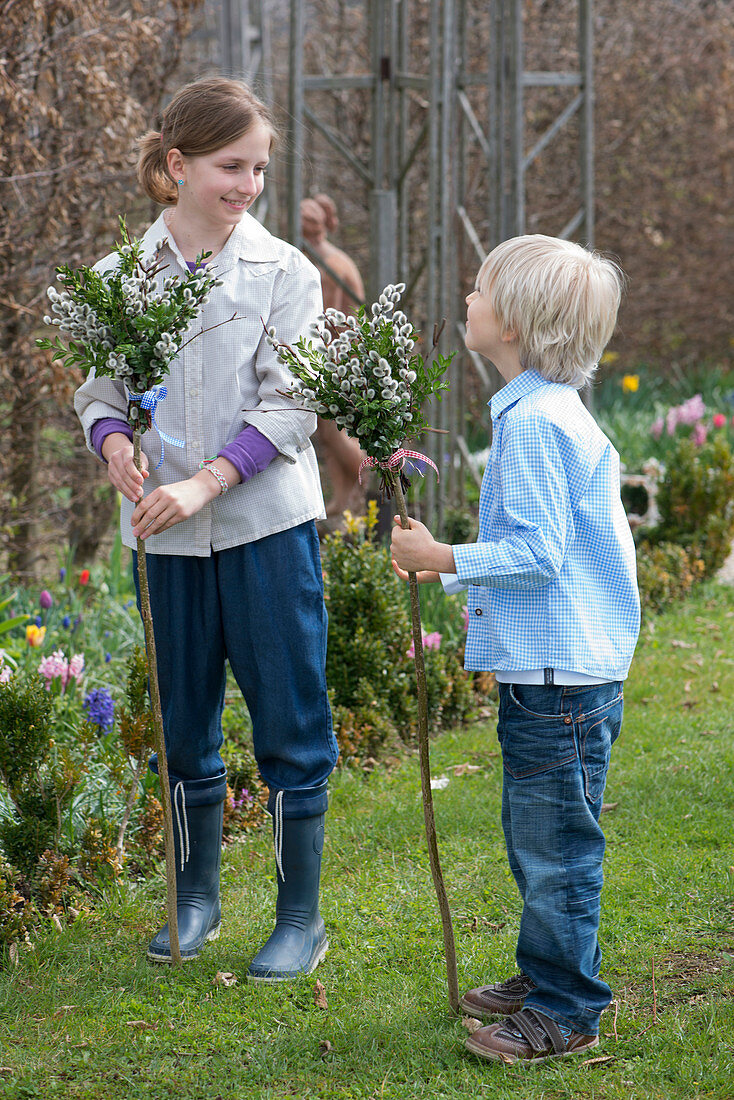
x=568, y=720
x=477, y=611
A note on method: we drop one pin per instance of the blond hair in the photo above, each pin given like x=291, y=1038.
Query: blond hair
x=559, y=300
x=202, y=117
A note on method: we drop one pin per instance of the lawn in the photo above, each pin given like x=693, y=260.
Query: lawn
x=83, y=1015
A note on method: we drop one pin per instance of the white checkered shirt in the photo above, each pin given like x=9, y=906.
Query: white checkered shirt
x=552, y=577
x=224, y=379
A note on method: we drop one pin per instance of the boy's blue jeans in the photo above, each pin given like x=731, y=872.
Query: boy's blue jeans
x=556, y=743
x=260, y=606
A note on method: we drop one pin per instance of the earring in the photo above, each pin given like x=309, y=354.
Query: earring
x=180, y=183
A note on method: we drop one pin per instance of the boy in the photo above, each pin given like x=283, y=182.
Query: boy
x=554, y=613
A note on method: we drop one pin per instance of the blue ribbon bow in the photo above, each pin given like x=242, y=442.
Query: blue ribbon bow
x=149, y=401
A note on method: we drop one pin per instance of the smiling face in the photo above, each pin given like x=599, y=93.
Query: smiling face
x=219, y=187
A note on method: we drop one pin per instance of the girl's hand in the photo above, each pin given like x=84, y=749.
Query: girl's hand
x=121, y=469
x=415, y=550
x=423, y=576
x=171, y=504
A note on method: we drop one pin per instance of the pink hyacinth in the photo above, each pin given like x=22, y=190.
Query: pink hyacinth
x=5, y=670
x=430, y=641
x=656, y=429
x=691, y=410
x=699, y=433
x=671, y=419
x=76, y=667
x=57, y=666
x=53, y=666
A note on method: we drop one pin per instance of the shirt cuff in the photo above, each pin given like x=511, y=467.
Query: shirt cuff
x=107, y=426
x=451, y=584
x=250, y=452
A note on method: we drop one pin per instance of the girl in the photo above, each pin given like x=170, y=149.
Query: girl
x=231, y=543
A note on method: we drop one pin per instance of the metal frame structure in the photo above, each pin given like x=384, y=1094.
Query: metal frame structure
x=452, y=174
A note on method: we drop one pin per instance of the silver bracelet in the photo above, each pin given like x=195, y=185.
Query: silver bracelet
x=207, y=464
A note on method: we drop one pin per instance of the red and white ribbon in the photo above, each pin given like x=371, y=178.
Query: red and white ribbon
x=396, y=459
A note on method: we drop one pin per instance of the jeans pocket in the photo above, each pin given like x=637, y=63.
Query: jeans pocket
x=532, y=742
x=597, y=733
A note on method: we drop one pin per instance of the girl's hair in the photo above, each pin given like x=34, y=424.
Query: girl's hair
x=558, y=299
x=202, y=117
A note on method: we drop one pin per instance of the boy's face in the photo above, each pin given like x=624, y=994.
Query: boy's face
x=484, y=335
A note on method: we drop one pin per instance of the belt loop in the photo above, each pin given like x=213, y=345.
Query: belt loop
x=548, y=679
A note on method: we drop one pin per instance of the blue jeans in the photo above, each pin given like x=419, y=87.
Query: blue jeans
x=260, y=606
x=556, y=743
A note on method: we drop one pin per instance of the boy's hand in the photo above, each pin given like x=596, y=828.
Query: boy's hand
x=416, y=551
x=423, y=576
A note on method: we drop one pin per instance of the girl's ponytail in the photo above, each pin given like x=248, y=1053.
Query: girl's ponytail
x=152, y=172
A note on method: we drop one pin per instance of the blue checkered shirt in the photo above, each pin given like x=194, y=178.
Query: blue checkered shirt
x=552, y=578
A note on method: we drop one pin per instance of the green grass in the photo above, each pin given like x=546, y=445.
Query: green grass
x=82, y=1015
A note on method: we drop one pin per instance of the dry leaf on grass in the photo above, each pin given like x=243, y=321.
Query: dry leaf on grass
x=466, y=769
x=471, y=1024
x=63, y=1009
x=319, y=995
x=598, y=1061
x=225, y=978
x=325, y=1047
x=13, y=953
x=143, y=1025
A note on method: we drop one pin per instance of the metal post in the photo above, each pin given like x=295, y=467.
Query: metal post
x=296, y=128
x=586, y=122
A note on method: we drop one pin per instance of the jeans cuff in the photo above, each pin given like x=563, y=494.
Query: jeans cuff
x=306, y=802
x=199, y=792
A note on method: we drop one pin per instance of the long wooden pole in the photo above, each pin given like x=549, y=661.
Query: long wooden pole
x=158, y=736
x=425, y=764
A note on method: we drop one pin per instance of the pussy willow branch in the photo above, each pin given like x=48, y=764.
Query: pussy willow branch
x=425, y=763
x=159, y=741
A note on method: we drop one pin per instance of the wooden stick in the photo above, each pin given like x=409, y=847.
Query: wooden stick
x=425, y=764
x=158, y=736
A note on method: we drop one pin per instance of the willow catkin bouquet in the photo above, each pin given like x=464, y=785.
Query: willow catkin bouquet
x=127, y=324
x=364, y=374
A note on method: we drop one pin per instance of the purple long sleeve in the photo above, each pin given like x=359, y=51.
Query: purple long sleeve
x=249, y=453
x=106, y=426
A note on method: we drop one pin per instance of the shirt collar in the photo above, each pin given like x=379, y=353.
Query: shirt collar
x=248, y=241
x=527, y=382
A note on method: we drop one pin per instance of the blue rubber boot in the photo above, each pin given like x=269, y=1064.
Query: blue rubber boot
x=298, y=943
x=198, y=812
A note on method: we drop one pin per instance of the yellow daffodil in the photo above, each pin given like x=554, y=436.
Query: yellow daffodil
x=609, y=357
x=34, y=635
x=630, y=383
